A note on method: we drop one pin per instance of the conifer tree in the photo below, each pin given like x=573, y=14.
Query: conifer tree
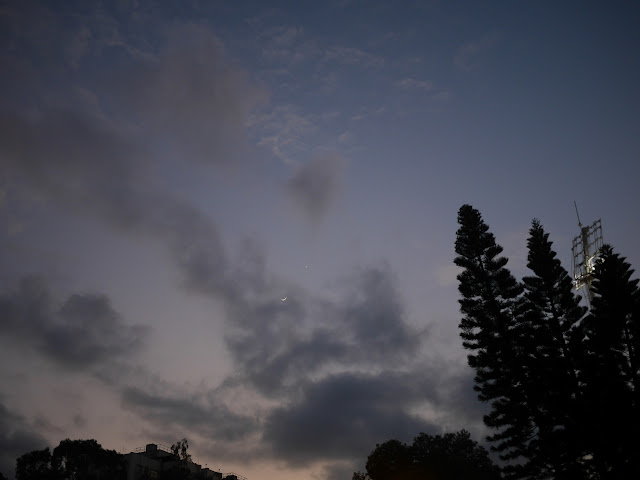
x=609, y=371
x=564, y=388
x=553, y=313
x=490, y=330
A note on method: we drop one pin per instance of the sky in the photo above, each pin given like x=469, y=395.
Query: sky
x=234, y=222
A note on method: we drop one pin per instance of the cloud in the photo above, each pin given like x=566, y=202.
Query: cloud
x=412, y=83
x=70, y=156
x=463, y=409
x=353, y=56
x=350, y=412
x=346, y=137
x=311, y=354
x=201, y=415
x=279, y=345
x=284, y=130
x=105, y=168
x=374, y=310
x=16, y=438
x=285, y=44
x=341, y=469
x=285, y=35
x=84, y=331
x=291, y=46
x=87, y=164
x=103, y=164
x=347, y=414
x=190, y=94
x=181, y=89
x=469, y=55
x=315, y=185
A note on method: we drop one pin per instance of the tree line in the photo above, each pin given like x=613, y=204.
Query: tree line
x=561, y=380
x=87, y=460
x=451, y=456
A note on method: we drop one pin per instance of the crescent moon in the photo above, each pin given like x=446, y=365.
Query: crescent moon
x=283, y=299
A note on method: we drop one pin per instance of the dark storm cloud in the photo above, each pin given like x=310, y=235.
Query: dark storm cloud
x=315, y=185
x=188, y=413
x=279, y=344
x=341, y=470
x=374, y=310
x=16, y=438
x=349, y=413
x=344, y=416
x=461, y=399
x=81, y=332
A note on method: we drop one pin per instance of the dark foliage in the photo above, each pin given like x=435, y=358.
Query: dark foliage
x=491, y=330
x=179, y=470
x=610, y=370
x=34, y=465
x=390, y=460
x=180, y=450
x=71, y=459
x=451, y=456
x=87, y=460
x=576, y=400
x=550, y=319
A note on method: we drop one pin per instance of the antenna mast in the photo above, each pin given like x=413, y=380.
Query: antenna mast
x=586, y=251
x=577, y=214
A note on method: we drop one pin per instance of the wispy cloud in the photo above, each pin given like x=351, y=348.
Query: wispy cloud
x=289, y=48
x=469, y=55
x=412, y=83
x=353, y=56
x=284, y=130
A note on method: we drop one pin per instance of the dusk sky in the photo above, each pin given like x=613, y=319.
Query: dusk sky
x=171, y=171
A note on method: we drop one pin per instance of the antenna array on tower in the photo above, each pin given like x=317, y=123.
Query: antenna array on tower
x=586, y=250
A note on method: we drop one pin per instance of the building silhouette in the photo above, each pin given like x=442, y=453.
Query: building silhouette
x=156, y=461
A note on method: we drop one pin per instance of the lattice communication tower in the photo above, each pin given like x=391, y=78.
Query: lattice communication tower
x=586, y=251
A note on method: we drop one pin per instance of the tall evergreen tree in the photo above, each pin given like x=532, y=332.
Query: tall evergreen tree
x=610, y=371
x=553, y=313
x=491, y=331
x=564, y=388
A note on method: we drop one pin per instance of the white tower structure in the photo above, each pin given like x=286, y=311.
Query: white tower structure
x=586, y=251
